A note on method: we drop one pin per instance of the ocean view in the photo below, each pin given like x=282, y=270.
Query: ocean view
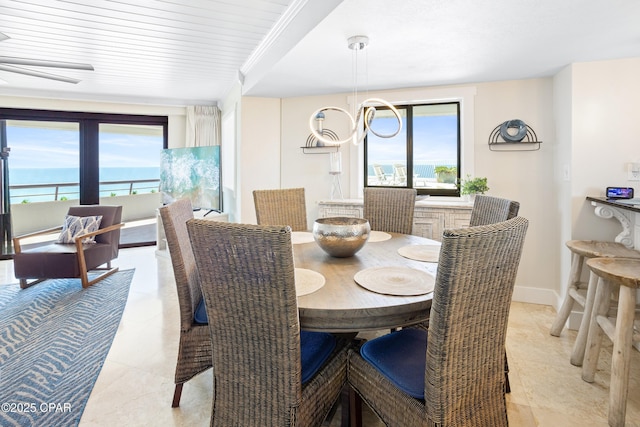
x=48, y=176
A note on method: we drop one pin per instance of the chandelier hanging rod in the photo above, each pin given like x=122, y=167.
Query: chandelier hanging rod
x=365, y=111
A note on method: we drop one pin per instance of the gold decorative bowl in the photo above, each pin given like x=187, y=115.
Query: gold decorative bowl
x=341, y=237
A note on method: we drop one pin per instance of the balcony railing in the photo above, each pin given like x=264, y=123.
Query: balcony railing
x=27, y=193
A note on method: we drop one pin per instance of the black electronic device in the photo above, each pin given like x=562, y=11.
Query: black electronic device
x=619, y=193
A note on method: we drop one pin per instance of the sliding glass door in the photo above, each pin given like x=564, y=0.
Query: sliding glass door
x=44, y=161
x=129, y=159
x=84, y=157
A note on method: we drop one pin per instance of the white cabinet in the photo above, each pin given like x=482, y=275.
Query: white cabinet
x=351, y=208
x=430, y=218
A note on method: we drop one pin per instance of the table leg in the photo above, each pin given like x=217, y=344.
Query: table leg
x=621, y=359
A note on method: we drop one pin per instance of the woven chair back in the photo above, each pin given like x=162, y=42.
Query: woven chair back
x=174, y=220
x=468, y=323
x=489, y=210
x=247, y=277
x=285, y=206
x=390, y=209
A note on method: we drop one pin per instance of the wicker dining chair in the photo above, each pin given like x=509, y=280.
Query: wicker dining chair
x=490, y=210
x=455, y=378
x=390, y=209
x=286, y=206
x=266, y=371
x=194, y=348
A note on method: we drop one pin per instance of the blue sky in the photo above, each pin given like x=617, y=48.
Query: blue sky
x=435, y=140
x=57, y=148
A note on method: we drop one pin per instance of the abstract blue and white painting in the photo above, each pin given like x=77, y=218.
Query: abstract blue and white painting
x=194, y=173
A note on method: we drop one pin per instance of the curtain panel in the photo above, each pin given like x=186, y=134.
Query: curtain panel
x=203, y=126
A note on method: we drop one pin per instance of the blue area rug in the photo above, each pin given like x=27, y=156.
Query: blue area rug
x=54, y=337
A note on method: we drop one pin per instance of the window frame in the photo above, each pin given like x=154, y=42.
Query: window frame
x=408, y=108
x=89, y=128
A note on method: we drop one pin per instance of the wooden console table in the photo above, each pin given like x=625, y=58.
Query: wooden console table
x=430, y=218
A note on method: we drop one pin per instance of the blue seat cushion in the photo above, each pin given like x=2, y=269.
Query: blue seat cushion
x=315, y=348
x=400, y=357
x=201, y=314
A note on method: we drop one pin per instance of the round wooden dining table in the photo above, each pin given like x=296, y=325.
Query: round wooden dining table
x=342, y=305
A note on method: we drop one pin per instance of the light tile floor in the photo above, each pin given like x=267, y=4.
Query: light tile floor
x=135, y=386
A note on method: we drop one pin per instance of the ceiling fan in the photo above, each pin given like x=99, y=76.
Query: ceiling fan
x=8, y=63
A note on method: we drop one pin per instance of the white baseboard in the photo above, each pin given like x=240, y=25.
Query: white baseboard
x=536, y=296
x=575, y=318
x=546, y=297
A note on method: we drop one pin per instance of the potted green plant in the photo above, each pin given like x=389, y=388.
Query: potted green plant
x=446, y=174
x=472, y=186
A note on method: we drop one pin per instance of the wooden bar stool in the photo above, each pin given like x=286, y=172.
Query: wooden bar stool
x=584, y=294
x=625, y=275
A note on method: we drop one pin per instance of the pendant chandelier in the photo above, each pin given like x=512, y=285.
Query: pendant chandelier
x=363, y=115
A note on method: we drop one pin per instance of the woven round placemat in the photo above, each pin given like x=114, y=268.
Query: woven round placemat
x=298, y=237
x=378, y=236
x=307, y=281
x=427, y=253
x=401, y=281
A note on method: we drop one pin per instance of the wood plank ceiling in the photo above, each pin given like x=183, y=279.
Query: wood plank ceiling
x=152, y=49
x=186, y=52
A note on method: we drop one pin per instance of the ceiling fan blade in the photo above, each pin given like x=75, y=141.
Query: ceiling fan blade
x=44, y=63
x=35, y=73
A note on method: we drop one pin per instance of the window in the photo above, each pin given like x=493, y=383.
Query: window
x=58, y=155
x=44, y=160
x=129, y=158
x=425, y=155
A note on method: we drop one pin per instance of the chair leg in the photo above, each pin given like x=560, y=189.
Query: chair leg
x=105, y=273
x=594, y=338
x=577, y=356
x=345, y=400
x=507, y=385
x=574, y=281
x=177, y=393
x=355, y=408
x=24, y=284
x=621, y=358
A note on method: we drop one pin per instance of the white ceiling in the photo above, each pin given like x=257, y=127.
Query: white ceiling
x=192, y=52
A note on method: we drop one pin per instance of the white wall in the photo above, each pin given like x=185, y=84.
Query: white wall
x=595, y=107
x=230, y=132
x=563, y=117
x=605, y=116
x=259, y=151
x=523, y=176
x=311, y=171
